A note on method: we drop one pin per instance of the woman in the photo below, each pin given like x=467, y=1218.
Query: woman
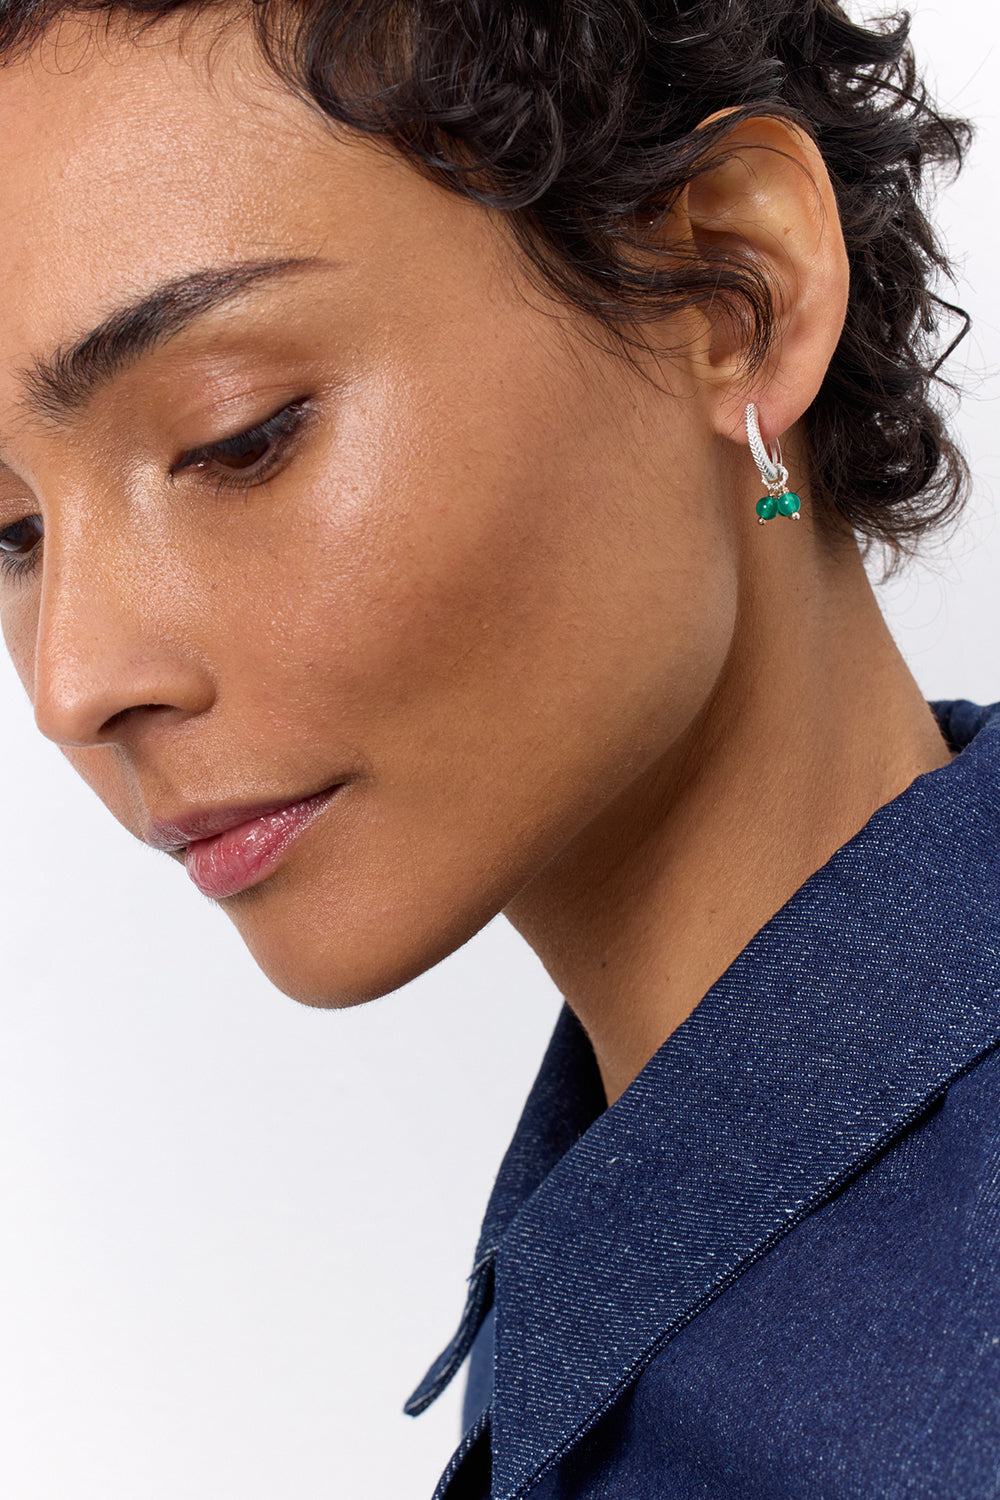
x=457, y=510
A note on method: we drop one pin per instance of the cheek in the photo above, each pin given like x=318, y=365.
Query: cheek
x=474, y=579
x=505, y=635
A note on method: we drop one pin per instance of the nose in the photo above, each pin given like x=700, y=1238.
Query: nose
x=113, y=653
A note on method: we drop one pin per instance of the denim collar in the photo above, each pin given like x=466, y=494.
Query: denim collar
x=863, y=998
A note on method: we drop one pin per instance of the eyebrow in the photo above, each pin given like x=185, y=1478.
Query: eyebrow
x=59, y=386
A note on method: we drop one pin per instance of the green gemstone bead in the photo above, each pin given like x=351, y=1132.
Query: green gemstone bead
x=789, y=503
x=767, y=507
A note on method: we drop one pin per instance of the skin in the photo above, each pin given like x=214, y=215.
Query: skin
x=506, y=588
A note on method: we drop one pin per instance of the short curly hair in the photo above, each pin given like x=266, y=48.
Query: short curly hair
x=580, y=120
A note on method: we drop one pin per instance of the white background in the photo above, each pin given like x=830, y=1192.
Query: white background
x=234, y=1231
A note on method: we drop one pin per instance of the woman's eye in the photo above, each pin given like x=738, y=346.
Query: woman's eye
x=252, y=453
x=18, y=543
x=22, y=537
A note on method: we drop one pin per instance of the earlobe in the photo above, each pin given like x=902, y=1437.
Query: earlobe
x=770, y=206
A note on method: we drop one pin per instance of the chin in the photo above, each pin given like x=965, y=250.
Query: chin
x=325, y=961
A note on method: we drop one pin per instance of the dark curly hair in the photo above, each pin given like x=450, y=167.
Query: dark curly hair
x=579, y=119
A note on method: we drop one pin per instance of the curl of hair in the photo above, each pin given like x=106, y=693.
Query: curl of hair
x=582, y=120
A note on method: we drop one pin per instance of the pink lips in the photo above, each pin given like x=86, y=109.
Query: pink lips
x=237, y=857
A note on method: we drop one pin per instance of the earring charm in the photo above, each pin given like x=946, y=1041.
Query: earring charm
x=779, y=500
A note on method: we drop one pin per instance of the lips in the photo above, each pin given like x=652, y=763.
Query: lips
x=229, y=850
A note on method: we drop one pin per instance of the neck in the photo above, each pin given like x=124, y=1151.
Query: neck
x=814, y=723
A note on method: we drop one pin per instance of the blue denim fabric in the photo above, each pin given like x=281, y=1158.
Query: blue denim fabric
x=772, y=1267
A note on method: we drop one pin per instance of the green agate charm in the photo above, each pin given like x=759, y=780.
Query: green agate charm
x=769, y=506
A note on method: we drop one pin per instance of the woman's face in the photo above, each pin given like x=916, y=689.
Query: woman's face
x=467, y=577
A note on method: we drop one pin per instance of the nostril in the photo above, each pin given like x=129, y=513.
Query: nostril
x=125, y=715
x=116, y=721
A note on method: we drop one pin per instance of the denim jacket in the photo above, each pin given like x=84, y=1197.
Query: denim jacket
x=772, y=1268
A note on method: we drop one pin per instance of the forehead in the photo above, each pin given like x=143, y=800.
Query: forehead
x=105, y=137
x=128, y=162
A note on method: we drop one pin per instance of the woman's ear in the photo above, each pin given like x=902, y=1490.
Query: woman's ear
x=770, y=203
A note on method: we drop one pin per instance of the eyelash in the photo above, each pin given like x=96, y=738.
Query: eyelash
x=276, y=434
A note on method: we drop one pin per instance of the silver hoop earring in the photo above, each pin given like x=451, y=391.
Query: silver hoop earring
x=779, y=500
